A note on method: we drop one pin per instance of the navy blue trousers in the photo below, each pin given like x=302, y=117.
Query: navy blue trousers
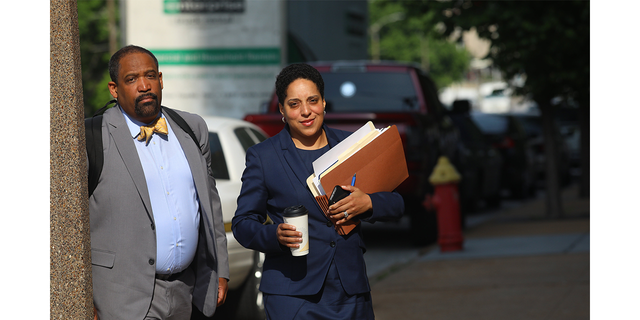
x=331, y=303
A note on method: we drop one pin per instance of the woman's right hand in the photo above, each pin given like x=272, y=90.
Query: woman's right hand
x=288, y=236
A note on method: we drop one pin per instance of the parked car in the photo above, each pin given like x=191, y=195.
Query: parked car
x=507, y=134
x=497, y=99
x=229, y=140
x=533, y=127
x=482, y=163
x=567, y=117
x=387, y=93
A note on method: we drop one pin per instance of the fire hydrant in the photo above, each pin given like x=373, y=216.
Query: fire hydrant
x=446, y=202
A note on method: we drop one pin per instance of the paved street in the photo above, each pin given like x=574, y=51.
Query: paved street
x=389, y=246
x=516, y=264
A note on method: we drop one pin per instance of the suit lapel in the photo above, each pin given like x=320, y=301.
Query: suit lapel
x=127, y=150
x=292, y=158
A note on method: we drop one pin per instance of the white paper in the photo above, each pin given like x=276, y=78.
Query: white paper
x=330, y=157
x=368, y=142
x=316, y=181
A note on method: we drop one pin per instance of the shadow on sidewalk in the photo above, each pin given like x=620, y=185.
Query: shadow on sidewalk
x=516, y=264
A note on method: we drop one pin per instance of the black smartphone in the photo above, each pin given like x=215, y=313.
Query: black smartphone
x=337, y=194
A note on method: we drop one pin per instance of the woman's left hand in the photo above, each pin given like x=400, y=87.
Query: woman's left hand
x=354, y=204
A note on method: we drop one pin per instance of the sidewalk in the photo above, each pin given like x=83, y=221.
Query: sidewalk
x=515, y=265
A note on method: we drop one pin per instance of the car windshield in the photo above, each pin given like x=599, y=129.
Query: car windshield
x=497, y=93
x=490, y=124
x=369, y=91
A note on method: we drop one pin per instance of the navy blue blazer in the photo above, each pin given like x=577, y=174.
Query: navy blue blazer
x=274, y=179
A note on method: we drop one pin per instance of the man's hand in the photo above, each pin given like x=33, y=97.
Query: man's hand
x=222, y=290
x=95, y=313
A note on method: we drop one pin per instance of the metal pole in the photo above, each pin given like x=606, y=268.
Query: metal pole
x=374, y=32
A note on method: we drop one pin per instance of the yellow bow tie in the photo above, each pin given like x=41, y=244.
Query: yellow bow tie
x=159, y=126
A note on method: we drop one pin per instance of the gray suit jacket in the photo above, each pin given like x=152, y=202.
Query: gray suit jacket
x=123, y=239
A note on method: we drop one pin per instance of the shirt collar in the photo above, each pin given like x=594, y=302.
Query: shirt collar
x=133, y=124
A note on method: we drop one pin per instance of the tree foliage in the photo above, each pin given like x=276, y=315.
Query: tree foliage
x=546, y=40
x=93, y=25
x=417, y=39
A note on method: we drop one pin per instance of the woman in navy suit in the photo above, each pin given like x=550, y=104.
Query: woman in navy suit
x=330, y=282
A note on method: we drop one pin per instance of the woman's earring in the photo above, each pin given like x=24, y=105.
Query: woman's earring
x=283, y=120
x=325, y=112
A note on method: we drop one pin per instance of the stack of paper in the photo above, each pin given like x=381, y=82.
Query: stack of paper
x=336, y=155
x=375, y=156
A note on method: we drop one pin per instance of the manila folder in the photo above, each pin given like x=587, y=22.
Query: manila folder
x=379, y=165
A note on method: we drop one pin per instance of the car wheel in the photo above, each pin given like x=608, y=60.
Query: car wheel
x=250, y=304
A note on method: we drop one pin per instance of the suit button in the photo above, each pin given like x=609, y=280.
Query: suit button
x=151, y=261
x=329, y=224
x=332, y=244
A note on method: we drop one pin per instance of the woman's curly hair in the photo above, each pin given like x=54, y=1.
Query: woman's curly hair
x=294, y=72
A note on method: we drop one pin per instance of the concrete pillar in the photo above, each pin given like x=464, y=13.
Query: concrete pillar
x=70, y=253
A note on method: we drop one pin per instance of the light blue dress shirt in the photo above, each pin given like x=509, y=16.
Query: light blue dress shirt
x=174, y=200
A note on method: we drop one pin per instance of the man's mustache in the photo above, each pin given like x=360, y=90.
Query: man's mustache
x=146, y=95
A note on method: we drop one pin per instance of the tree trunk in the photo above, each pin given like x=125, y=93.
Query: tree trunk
x=585, y=142
x=552, y=179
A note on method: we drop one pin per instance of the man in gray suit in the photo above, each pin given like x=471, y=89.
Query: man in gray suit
x=158, y=243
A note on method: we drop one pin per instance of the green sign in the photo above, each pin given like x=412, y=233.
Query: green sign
x=203, y=6
x=219, y=57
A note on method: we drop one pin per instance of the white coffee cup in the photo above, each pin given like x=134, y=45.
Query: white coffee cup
x=299, y=217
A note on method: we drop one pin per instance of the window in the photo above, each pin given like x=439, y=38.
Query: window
x=258, y=135
x=475, y=134
x=218, y=163
x=532, y=125
x=248, y=137
x=245, y=139
x=469, y=132
x=491, y=124
x=369, y=92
